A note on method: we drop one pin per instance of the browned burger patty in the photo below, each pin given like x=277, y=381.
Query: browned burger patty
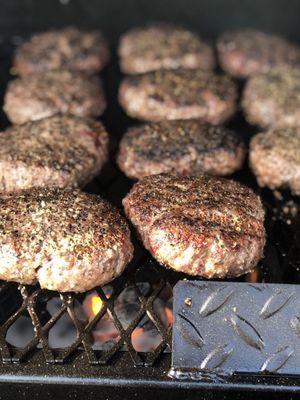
x=275, y=158
x=203, y=226
x=249, y=52
x=179, y=94
x=163, y=46
x=60, y=151
x=65, y=240
x=44, y=94
x=273, y=100
x=67, y=48
x=186, y=147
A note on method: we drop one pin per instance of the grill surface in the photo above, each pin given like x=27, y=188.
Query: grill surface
x=80, y=362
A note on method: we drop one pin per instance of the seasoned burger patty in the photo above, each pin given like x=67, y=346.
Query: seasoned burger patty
x=65, y=240
x=60, y=151
x=249, y=52
x=203, y=226
x=275, y=158
x=273, y=100
x=163, y=46
x=186, y=147
x=67, y=48
x=179, y=94
x=45, y=94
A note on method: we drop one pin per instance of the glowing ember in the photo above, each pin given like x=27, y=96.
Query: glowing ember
x=169, y=316
x=145, y=340
x=135, y=334
x=145, y=337
x=253, y=276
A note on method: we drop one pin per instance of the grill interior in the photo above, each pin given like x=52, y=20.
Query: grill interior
x=38, y=356
x=29, y=304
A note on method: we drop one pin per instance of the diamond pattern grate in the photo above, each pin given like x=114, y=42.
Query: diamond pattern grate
x=84, y=331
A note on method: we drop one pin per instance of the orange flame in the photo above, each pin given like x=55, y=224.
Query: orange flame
x=93, y=304
x=96, y=304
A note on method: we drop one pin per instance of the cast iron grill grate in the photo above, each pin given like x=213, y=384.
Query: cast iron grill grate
x=33, y=299
x=282, y=258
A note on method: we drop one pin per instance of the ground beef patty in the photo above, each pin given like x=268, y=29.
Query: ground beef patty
x=179, y=94
x=65, y=240
x=44, y=94
x=67, y=48
x=163, y=46
x=203, y=226
x=186, y=147
x=275, y=158
x=56, y=151
x=273, y=100
x=248, y=52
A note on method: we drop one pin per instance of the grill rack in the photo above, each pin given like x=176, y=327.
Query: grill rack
x=30, y=302
x=39, y=363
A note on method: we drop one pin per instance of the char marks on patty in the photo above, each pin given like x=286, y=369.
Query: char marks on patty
x=186, y=147
x=203, y=226
x=179, y=94
x=61, y=151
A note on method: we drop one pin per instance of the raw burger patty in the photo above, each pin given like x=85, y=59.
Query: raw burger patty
x=273, y=100
x=248, y=52
x=186, y=147
x=275, y=158
x=179, y=94
x=65, y=240
x=163, y=46
x=61, y=151
x=44, y=94
x=203, y=226
x=67, y=48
